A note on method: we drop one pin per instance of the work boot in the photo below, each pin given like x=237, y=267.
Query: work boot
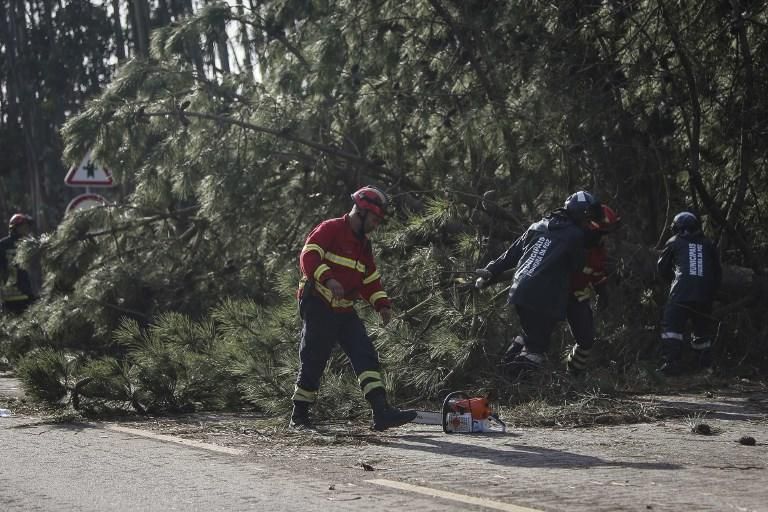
x=702, y=347
x=514, y=349
x=671, y=358
x=386, y=416
x=577, y=360
x=526, y=362
x=300, y=416
x=670, y=368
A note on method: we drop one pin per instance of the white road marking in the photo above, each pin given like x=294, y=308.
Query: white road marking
x=177, y=440
x=462, y=498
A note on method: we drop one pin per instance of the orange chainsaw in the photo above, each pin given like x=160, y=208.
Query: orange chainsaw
x=462, y=413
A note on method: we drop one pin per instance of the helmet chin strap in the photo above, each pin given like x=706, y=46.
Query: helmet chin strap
x=362, y=215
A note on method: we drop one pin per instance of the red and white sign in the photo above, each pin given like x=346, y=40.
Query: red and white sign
x=84, y=201
x=89, y=173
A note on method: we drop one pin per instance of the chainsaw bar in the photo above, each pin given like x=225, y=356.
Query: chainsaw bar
x=428, y=418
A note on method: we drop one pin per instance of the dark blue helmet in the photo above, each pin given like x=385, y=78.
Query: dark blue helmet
x=685, y=222
x=582, y=206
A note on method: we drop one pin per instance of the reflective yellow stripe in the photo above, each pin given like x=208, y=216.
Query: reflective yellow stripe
x=587, y=270
x=322, y=268
x=378, y=295
x=14, y=298
x=373, y=385
x=313, y=247
x=303, y=395
x=328, y=295
x=582, y=295
x=345, y=262
x=371, y=278
x=369, y=374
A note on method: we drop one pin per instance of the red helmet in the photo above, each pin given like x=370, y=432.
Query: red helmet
x=371, y=199
x=19, y=218
x=609, y=221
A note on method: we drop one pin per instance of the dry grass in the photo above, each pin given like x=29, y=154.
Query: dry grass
x=592, y=408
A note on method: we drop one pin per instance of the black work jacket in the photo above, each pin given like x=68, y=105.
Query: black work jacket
x=691, y=263
x=544, y=256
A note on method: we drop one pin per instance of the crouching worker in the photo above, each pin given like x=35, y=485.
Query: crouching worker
x=691, y=263
x=544, y=258
x=337, y=268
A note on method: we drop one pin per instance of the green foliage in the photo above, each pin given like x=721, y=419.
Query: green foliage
x=176, y=365
x=46, y=374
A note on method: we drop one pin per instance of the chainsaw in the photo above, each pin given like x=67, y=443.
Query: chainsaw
x=462, y=413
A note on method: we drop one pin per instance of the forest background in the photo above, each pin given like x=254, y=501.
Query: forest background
x=233, y=127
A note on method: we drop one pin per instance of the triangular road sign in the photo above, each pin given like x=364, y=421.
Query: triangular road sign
x=88, y=174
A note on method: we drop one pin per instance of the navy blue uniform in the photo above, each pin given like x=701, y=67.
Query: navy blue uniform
x=691, y=263
x=545, y=256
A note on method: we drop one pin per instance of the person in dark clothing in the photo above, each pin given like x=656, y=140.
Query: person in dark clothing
x=690, y=262
x=337, y=268
x=15, y=285
x=544, y=257
x=587, y=283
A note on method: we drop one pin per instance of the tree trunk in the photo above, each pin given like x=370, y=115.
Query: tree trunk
x=245, y=42
x=118, y=30
x=141, y=27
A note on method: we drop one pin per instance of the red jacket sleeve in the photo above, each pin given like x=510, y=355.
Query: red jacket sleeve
x=596, y=265
x=372, y=289
x=313, y=253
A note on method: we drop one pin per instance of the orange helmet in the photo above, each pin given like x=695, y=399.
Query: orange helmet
x=18, y=219
x=608, y=222
x=371, y=199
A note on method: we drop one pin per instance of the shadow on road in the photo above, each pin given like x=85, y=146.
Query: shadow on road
x=53, y=424
x=519, y=455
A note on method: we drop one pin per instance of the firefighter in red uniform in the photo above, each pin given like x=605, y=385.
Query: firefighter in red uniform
x=15, y=285
x=337, y=268
x=587, y=283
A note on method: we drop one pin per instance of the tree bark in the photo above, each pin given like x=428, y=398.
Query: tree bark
x=118, y=30
x=141, y=27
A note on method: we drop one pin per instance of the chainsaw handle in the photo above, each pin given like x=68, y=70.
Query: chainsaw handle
x=447, y=407
x=498, y=420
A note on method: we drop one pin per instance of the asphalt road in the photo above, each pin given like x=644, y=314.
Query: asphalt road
x=47, y=467
x=661, y=466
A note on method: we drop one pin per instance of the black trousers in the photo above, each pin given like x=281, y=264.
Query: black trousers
x=537, y=328
x=322, y=329
x=674, y=323
x=581, y=322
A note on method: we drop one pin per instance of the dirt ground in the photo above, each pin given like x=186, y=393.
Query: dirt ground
x=692, y=458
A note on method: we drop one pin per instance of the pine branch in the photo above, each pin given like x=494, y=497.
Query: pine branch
x=139, y=223
x=286, y=135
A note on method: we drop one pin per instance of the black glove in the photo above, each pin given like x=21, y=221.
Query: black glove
x=484, y=278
